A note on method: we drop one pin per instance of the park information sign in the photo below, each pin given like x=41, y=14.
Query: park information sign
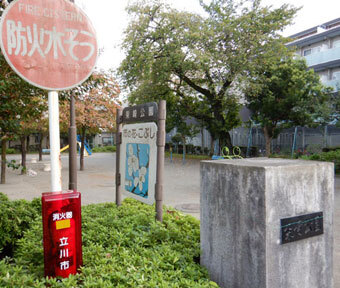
x=138, y=165
x=140, y=154
x=49, y=43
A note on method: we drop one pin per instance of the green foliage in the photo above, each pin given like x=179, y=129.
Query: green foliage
x=284, y=93
x=122, y=247
x=16, y=218
x=331, y=156
x=13, y=164
x=176, y=138
x=17, y=100
x=104, y=149
x=196, y=62
x=10, y=151
x=21, y=104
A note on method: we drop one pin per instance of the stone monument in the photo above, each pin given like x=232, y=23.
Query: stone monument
x=267, y=223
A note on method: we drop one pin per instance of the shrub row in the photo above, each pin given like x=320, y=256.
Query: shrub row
x=331, y=156
x=10, y=151
x=104, y=149
x=16, y=218
x=122, y=247
x=189, y=148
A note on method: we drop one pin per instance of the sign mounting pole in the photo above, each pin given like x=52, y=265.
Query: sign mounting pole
x=53, y=110
x=160, y=159
x=118, y=143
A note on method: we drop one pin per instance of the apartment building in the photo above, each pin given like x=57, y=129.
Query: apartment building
x=320, y=45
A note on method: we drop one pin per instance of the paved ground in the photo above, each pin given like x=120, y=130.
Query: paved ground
x=97, y=184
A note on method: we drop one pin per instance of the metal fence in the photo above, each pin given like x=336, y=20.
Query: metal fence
x=305, y=138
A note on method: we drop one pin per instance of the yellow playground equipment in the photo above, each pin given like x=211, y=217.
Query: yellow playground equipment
x=79, y=143
x=236, y=153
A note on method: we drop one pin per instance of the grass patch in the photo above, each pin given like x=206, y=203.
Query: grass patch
x=104, y=149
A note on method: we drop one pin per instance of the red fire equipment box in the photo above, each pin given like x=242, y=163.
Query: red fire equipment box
x=61, y=214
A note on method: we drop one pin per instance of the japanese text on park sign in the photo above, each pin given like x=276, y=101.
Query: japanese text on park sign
x=28, y=40
x=141, y=133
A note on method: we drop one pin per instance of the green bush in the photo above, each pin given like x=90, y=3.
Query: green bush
x=10, y=151
x=16, y=218
x=104, y=149
x=122, y=247
x=331, y=156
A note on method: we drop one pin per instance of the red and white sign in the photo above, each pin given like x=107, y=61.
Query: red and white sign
x=50, y=43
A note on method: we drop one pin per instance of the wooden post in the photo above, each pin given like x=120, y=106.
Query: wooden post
x=118, y=144
x=160, y=160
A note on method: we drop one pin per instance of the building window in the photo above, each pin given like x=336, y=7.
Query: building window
x=311, y=50
x=307, y=52
x=336, y=43
x=336, y=75
x=107, y=141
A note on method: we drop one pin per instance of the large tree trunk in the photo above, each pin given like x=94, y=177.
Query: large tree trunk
x=3, y=160
x=225, y=140
x=268, y=137
x=82, y=149
x=23, y=153
x=41, y=137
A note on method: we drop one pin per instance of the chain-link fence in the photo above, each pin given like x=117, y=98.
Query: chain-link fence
x=302, y=139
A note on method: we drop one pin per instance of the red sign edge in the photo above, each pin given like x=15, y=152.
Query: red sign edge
x=3, y=16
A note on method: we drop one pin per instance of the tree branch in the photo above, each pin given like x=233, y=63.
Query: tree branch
x=226, y=84
x=193, y=85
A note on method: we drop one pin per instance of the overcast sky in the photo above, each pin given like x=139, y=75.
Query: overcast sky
x=109, y=19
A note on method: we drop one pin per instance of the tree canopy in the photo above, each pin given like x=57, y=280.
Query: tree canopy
x=19, y=102
x=200, y=59
x=285, y=94
x=96, y=103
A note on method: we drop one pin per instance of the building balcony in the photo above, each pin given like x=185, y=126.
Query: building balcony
x=329, y=58
x=335, y=84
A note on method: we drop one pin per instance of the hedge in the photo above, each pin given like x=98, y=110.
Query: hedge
x=122, y=247
x=104, y=149
x=331, y=156
x=16, y=218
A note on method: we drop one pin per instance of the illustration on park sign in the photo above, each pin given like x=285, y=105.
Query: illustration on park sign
x=137, y=169
x=138, y=164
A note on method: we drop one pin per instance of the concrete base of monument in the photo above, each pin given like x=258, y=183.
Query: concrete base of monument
x=267, y=223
